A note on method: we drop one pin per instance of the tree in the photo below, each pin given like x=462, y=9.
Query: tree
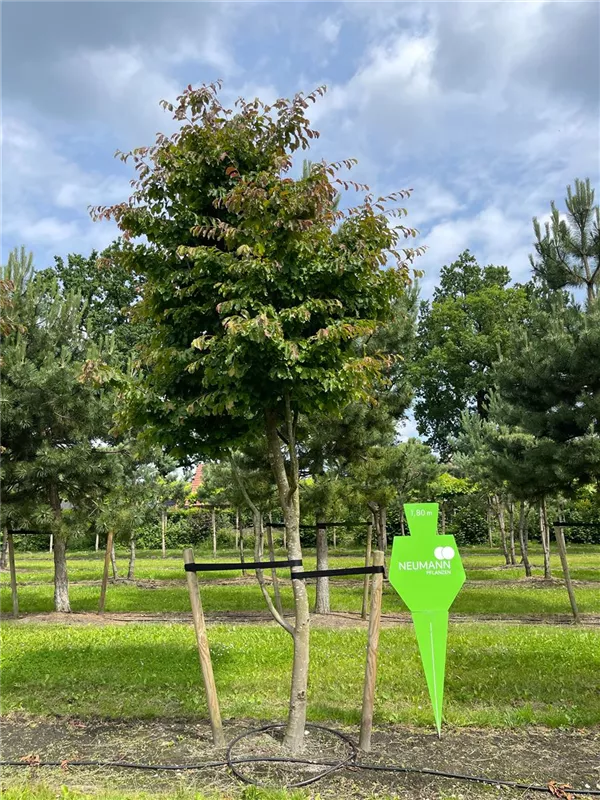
x=550, y=390
x=108, y=292
x=256, y=290
x=397, y=472
x=53, y=414
x=330, y=445
x=569, y=251
x=461, y=332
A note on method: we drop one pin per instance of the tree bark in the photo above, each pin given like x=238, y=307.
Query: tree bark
x=237, y=529
x=289, y=498
x=213, y=519
x=163, y=532
x=524, y=536
x=322, y=605
x=242, y=551
x=502, y=527
x=545, y=536
x=274, y=578
x=366, y=582
x=61, y=579
x=511, y=530
x=131, y=568
x=13, y=575
x=51, y=545
x=113, y=561
x=562, y=550
x=4, y=552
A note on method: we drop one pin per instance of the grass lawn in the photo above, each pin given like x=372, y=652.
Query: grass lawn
x=41, y=792
x=502, y=676
x=499, y=600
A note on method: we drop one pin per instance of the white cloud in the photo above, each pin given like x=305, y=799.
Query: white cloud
x=330, y=29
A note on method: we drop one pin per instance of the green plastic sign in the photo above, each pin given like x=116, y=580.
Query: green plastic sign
x=426, y=571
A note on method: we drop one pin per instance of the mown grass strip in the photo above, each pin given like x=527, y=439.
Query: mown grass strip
x=501, y=677
x=507, y=601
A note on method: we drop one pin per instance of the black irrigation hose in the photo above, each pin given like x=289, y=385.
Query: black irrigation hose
x=331, y=766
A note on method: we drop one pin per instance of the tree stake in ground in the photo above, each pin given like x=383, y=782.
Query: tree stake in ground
x=427, y=572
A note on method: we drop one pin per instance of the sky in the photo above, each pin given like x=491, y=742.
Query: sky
x=485, y=110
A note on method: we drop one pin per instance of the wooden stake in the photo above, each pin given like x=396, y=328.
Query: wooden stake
x=562, y=551
x=212, y=700
x=109, y=544
x=13, y=575
x=365, y=601
x=366, y=724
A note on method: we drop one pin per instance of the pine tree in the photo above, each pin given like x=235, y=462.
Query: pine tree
x=569, y=251
x=53, y=415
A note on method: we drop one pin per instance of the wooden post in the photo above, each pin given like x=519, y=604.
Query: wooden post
x=97, y=543
x=214, y=530
x=13, y=575
x=365, y=601
x=163, y=522
x=212, y=700
x=366, y=723
x=51, y=548
x=109, y=545
x=562, y=550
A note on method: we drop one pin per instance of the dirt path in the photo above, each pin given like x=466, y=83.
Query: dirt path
x=336, y=619
x=534, y=755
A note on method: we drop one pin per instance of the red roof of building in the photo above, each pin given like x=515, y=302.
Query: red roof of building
x=197, y=479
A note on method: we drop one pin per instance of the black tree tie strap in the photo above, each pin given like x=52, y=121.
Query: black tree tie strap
x=326, y=573
x=247, y=565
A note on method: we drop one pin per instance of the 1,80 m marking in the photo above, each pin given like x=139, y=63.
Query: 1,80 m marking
x=420, y=513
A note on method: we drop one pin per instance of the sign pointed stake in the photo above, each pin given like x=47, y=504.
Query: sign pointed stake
x=427, y=572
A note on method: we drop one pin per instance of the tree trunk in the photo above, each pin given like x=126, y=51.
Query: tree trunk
x=443, y=519
x=545, y=535
x=502, y=527
x=97, y=542
x=402, y=530
x=4, y=552
x=511, y=529
x=562, y=551
x=61, y=579
x=131, y=569
x=289, y=498
x=51, y=545
x=524, y=536
x=213, y=520
x=163, y=532
x=274, y=578
x=366, y=582
x=113, y=561
x=322, y=599
x=237, y=529
x=242, y=551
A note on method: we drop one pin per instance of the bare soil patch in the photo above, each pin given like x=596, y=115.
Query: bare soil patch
x=335, y=619
x=535, y=755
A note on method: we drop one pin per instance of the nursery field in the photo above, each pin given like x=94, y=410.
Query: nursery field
x=492, y=589
x=127, y=685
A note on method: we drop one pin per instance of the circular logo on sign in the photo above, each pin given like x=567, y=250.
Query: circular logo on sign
x=444, y=553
